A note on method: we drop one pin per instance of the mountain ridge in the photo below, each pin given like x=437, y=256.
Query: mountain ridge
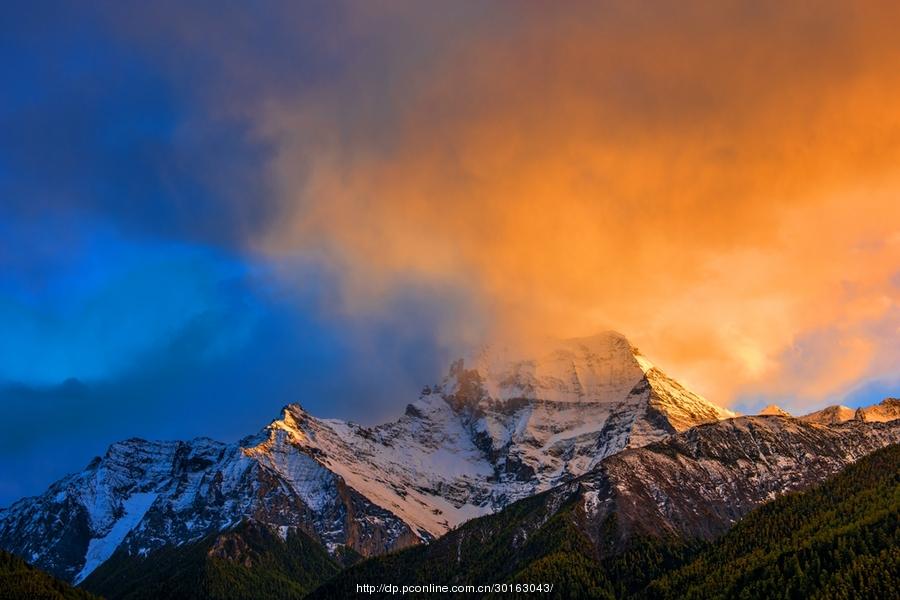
x=507, y=428
x=484, y=437
x=650, y=506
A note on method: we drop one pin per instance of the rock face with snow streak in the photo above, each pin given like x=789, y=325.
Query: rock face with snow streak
x=700, y=482
x=693, y=485
x=143, y=495
x=504, y=428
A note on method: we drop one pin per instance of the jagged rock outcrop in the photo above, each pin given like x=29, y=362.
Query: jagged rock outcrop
x=700, y=482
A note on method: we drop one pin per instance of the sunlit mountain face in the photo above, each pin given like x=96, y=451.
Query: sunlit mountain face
x=419, y=227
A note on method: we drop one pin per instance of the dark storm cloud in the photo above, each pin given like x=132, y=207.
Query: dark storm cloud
x=133, y=186
x=91, y=126
x=192, y=386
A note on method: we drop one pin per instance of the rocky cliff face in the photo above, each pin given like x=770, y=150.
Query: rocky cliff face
x=556, y=415
x=693, y=485
x=700, y=482
x=143, y=495
x=886, y=410
x=643, y=513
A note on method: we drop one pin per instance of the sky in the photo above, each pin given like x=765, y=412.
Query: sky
x=207, y=211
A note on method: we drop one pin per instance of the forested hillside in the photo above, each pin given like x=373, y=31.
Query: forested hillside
x=250, y=561
x=19, y=580
x=837, y=540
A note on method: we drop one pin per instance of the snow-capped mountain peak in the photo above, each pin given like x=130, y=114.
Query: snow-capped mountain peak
x=774, y=409
x=886, y=410
x=498, y=428
x=600, y=368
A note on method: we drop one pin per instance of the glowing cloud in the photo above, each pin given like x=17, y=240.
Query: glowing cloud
x=717, y=180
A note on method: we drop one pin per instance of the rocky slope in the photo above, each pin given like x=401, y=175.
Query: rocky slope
x=637, y=514
x=700, y=482
x=830, y=415
x=505, y=427
x=142, y=495
x=886, y=410
x=840, y=539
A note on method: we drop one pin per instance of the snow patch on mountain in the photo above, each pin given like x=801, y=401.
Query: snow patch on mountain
x=101, y=548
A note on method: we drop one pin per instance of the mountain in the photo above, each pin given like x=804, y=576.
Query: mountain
x=250, y=560
x=141, y=496
x=886, y=410
x=20, y=580
x=838, y=540
x=510, y=425
x=637, y=515
x=774, y=409
x=830, y=415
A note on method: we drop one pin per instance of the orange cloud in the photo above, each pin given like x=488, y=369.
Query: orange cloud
x=719, y=181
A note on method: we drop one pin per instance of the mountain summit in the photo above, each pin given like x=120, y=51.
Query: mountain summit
x=560, y=410
x=774, y=409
